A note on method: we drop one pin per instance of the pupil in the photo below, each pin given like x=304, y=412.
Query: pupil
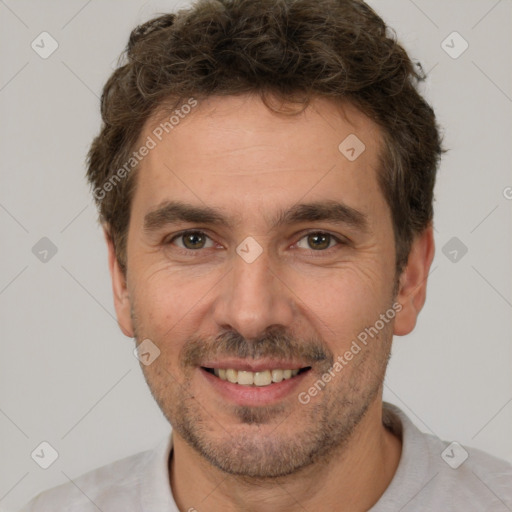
x=318, y=241
x=193, y=240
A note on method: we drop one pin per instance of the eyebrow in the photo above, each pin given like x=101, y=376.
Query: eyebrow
x=171, y=212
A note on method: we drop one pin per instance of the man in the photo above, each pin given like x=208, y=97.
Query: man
x=264, y=176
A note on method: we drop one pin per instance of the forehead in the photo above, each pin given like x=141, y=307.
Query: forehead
x=225, y=123
x=235, y=153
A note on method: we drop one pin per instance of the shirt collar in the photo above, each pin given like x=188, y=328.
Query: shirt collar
x=156, y=491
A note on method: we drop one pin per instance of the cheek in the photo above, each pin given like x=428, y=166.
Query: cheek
x=341, y=302
x=167, y=300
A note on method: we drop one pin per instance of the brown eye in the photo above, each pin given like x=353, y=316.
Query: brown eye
x=317, y=241
x=192, y=240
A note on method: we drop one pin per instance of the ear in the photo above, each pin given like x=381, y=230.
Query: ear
x=412, y=290
x=119, y=288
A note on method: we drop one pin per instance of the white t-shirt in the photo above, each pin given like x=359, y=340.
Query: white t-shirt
x=432, y=476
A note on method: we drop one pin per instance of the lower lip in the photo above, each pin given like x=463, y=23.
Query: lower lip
x=254, y=395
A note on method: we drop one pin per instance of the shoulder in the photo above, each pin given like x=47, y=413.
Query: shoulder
x=115, y=486
x=441, y=475
x=471, y=475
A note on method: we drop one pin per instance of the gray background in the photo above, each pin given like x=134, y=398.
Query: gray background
x=67, y=373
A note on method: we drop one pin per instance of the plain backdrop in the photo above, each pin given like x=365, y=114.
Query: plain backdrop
x=67, y=373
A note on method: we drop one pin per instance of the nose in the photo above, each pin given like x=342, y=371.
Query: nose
x=253, y=298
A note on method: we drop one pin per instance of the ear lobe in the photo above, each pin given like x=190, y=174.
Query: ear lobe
x=412, y=290
x=122, y=302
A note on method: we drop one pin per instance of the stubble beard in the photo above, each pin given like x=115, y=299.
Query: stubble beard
x=274, y=441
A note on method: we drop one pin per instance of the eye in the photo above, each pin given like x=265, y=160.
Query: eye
x=318, y=241
x=192, y=240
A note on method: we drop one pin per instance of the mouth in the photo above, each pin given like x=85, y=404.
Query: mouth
x=254, y=384
x=262, y=378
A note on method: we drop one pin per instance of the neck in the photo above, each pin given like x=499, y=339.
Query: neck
x=352, y=477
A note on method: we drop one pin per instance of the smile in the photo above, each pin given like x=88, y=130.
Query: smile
x=259, y=378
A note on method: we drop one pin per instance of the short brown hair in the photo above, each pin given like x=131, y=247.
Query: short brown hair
x=294, y=50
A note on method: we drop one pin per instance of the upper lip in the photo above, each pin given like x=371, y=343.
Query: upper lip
x=255, y=365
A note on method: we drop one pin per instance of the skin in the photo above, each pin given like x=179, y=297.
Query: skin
x=232, y=153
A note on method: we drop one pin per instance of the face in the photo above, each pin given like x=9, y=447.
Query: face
x=257, y=255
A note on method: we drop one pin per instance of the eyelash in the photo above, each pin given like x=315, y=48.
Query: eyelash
x=339, y=241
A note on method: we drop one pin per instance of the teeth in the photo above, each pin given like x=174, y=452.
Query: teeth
x=246, y=378
x=277, y=375
x=232, y=376
x=262, y=378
